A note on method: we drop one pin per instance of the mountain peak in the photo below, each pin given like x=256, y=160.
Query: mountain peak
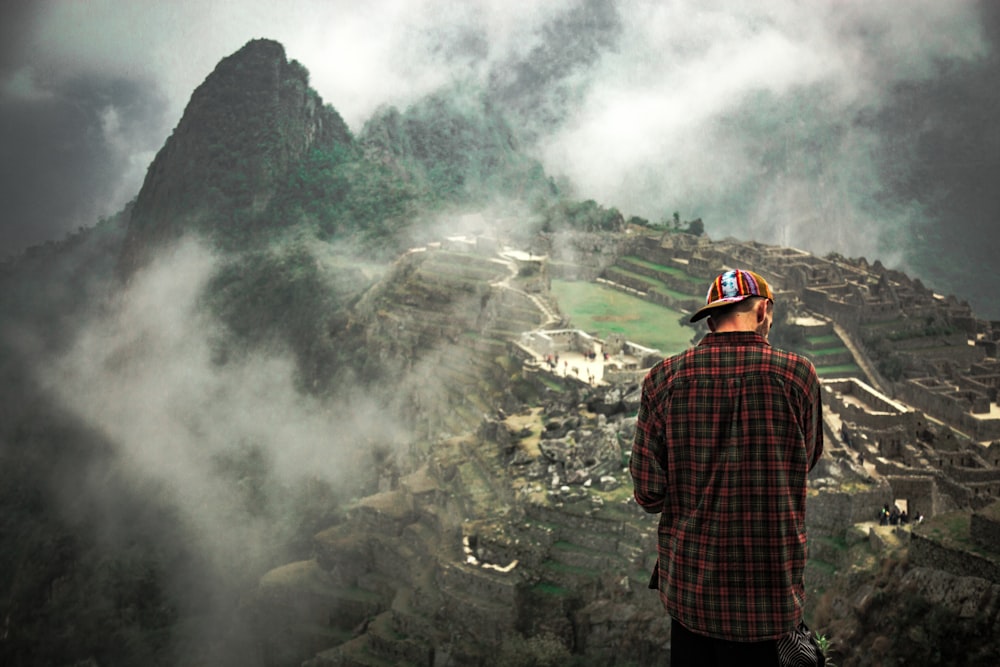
x=251, y=118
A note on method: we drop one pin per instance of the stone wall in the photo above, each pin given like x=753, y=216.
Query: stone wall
x=944, y=402
x=624, y=376
x=973, y=475
x=876, y=400
x=479, y=582
x=559, y=340
x=633, y=283
x=831, y=510
x=920, y=493
x=846, y=314
x=985, y=531
x=878, y=412
x=927, y=552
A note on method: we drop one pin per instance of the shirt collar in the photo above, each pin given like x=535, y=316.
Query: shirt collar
x=734, y=338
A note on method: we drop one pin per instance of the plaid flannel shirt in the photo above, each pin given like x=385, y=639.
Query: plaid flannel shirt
x=726, y=435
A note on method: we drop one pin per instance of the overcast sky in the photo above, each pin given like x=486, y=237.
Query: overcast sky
x=90, y=90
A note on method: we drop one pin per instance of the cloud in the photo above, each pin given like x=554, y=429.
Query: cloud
x=227, y=443
x=747, y=115
x=67, y=65
x=753, y=116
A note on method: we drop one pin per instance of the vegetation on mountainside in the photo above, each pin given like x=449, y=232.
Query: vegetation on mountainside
x=584, y=216
x=276, y=297
x=339, y=195
x=456, y=147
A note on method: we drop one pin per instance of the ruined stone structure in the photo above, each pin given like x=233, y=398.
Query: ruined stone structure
x=527, y=528
x=926, y=429
x=946, y=380
x=944, y=544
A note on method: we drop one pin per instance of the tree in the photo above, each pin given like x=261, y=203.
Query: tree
x=696, y=227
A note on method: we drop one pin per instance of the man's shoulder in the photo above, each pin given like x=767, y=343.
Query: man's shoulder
x=795, y=364
x=793, y=357
x=669, y=365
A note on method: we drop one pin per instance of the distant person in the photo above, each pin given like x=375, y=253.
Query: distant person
x=726, y=435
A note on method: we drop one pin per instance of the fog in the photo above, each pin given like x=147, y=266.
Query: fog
x=763, y=119
x=743, y=114
x=739, y=113
x=232, y=450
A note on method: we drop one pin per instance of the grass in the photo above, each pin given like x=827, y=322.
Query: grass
x=838, y=543
x=952, y=526
x=953, y=530
x=828, y=351
x=562, y=545
x=822, y=565
x=549, y=588
x=669, y=270
x=825, y=340
x=603, y=311
x=656, y=285
x=569, y=569
x=551, y=384
x=674, y=294
x=833, y=371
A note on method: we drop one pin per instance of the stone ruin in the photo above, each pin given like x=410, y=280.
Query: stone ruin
x=527, y=527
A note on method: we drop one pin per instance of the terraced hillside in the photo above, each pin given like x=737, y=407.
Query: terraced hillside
x=473, y=551
x=673, y=287
x=445, y=318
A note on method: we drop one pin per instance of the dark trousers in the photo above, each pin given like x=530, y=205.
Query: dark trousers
x=689, y=649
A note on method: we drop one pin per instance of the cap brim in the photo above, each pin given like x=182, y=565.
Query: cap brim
x=707, y=309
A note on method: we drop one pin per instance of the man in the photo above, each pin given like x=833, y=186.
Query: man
x=726, y=435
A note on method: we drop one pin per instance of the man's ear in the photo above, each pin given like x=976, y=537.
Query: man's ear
x=761, y=311
x=711, y=324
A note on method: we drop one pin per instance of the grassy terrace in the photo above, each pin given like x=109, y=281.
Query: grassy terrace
x=650, y=283
x=829, y=351
x=696, y=283
x=826, y=341
x=558, y=568
x=835, y=371
x=549, y=588
x=654, y=285
x=952, y=530
x=602, y=311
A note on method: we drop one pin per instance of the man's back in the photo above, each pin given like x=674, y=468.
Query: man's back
x=727, y=433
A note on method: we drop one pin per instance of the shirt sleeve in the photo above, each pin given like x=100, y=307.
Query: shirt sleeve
x=813, y=421
x=648, y=477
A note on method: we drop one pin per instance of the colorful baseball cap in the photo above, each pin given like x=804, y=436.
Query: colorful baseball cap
x=732, y=287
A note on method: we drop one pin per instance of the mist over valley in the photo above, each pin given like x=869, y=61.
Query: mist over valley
x=256, y=363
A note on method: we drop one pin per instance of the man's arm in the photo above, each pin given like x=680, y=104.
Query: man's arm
x=814, y=422
x=648, y=477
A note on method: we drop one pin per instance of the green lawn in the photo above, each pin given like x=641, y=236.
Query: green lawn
x=601, y=310
x=834, y=371
x=816, y=341
x=696, y=283
x=829, y=351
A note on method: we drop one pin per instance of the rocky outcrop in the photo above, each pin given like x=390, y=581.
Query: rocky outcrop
x=917, y=616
